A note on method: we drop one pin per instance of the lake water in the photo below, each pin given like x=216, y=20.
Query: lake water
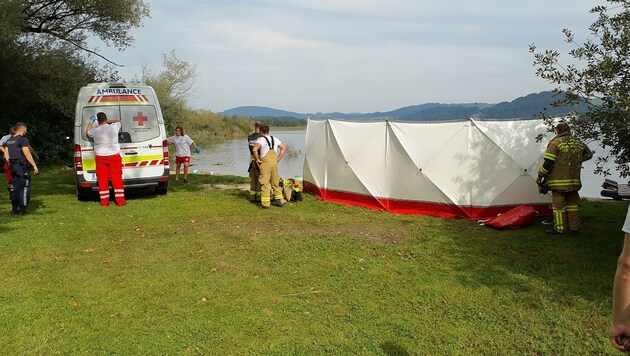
x=232, y=158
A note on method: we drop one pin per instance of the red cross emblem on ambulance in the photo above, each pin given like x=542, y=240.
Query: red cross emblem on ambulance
x=140, y=119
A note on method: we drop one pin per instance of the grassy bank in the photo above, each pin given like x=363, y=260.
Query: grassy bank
x=203, y=271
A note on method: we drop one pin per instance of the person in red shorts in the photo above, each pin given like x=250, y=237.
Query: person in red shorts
x=183, y=145
x=108, y=160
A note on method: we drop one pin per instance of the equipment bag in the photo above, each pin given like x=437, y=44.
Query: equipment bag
x=291, y=189
x=296, y=195
x=512, y=219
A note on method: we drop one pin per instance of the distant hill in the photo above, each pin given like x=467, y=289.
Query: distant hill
x=528, y=106
x=259, y=111
x=405, y=111
x=523, y=107
x=451, y=112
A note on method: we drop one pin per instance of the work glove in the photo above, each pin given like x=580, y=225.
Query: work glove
x=197, y=149
x=93, y=118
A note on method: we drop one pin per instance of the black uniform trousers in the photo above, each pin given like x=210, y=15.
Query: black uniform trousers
x=21, y=187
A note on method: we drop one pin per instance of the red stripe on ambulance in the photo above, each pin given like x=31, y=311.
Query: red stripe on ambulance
x=118, y=98
x=154, y=162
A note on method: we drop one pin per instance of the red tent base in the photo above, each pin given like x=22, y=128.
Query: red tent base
x=411, y=207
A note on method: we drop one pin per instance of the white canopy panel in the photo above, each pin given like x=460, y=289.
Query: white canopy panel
x=468, y=168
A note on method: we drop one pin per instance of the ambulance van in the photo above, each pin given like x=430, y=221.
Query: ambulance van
x=143, y=145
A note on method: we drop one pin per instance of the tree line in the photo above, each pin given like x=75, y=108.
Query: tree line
x=45, y=59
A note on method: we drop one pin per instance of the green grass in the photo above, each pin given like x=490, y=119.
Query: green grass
x=202, y=271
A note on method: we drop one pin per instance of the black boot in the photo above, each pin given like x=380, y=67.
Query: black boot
x=22, y=210
x=15, y=210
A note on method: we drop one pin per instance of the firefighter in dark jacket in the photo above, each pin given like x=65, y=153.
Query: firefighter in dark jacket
x=253, y=169
x=561, y=169
x=19, y=156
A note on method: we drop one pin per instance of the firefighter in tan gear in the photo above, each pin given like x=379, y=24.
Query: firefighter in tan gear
x=561, y=169
x=265, y=153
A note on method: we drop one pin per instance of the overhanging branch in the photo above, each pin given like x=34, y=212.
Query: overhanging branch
x=94, y=53
x=40, y=30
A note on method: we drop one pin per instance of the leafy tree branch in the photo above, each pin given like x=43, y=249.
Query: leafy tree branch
x=599, y=74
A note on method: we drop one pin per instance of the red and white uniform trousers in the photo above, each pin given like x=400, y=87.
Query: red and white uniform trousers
x=110, y=168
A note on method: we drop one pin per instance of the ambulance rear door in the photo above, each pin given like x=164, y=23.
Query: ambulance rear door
x=142, y=145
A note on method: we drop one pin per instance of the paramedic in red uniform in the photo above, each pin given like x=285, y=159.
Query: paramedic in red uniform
x=108, y=160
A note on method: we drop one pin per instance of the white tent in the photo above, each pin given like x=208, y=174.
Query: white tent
x=473, y=169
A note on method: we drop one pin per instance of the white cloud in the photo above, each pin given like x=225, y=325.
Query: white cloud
x=352, y=55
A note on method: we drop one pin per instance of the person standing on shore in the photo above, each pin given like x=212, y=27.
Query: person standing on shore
x=561, y=168
x=108, y=160
x=266, y=154
x=619, y=332
x=7, y=170
x=253, y=169
x=183, y=145
x=18, y=153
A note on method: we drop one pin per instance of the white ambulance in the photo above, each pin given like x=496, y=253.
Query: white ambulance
x=144, y=149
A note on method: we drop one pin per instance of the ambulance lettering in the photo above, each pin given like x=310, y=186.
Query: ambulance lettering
x=119, y=91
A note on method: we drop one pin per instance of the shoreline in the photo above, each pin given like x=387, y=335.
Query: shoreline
x=210, y=173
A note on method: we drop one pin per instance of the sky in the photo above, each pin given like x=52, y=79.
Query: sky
x=354, y=55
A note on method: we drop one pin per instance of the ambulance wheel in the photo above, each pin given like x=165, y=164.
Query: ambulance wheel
x=85, y=194
x=162, y=188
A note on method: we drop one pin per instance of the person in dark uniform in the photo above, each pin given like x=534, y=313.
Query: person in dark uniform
x=254, y=170
x=20, y=157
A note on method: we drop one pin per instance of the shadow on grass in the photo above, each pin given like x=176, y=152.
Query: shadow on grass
x=570, y=265
x=61, y=182
x=8, y=217
x=392, y=349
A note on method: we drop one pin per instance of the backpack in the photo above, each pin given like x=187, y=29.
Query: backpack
x=291, y=189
